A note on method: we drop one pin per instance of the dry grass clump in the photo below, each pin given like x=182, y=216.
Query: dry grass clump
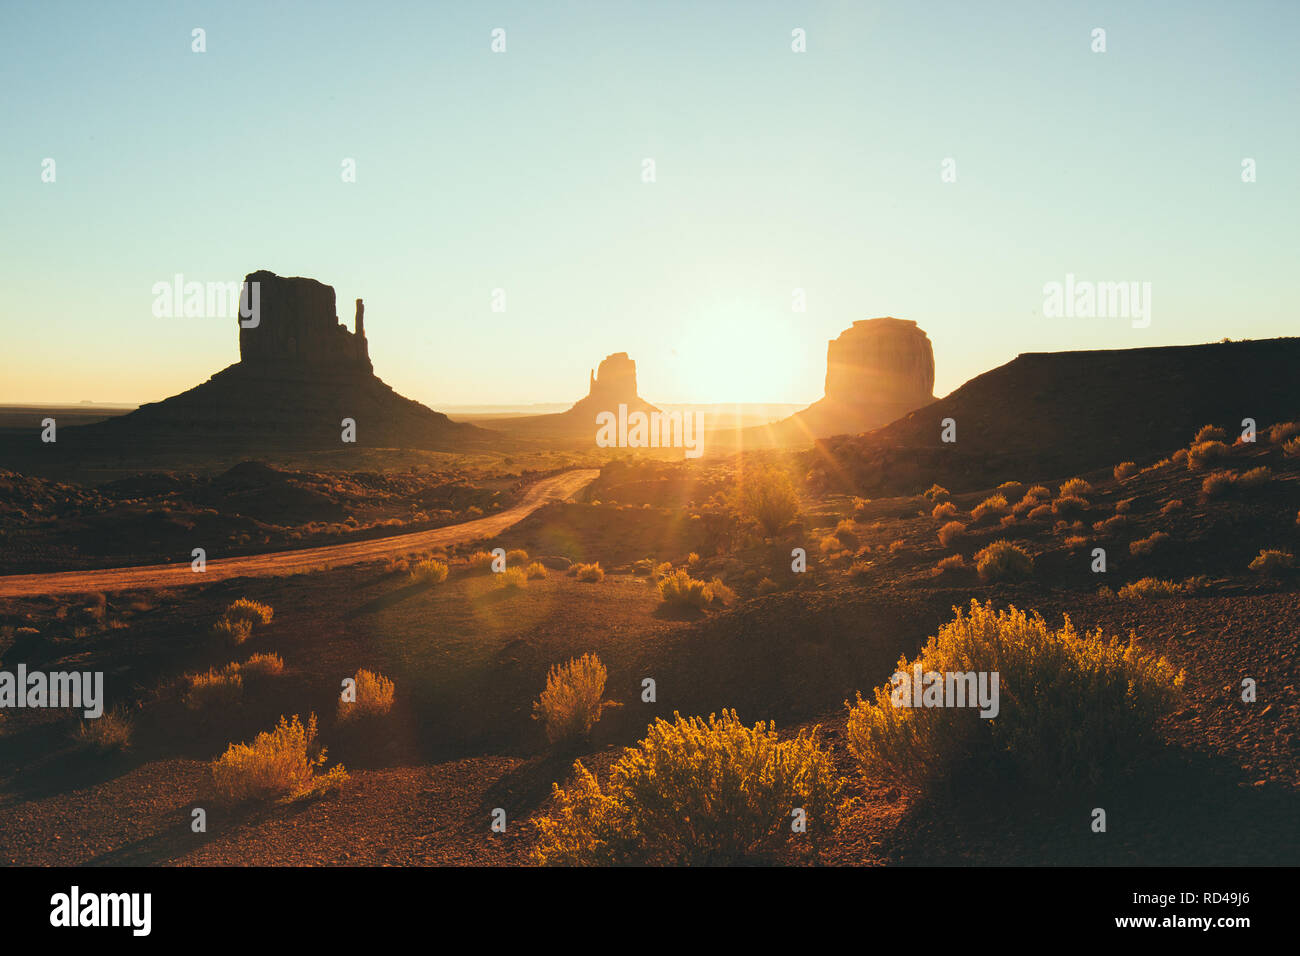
x=429, y=571
x=1067, y=505
x=516, y=556
x=1110, y=525
x=860, y=570
x=1002, y=561
x=1148, y=544
x=1255, y=478
x=1073, y=709
x=951, y=532
x=480, y=561
x=846, y=532
x=695, y=792
x=936, y=493
x=222, y=687
x=768, y=497
x=1272, y=561
x=1172, y=505
x=263, y=665
x=679, y=589
x=1292, y=448
x=1075, y=487
x=1150, y=588
x=950, y=565
x=252, y=611
x=945, y=509
x=1040, y=513
x=1125, y=469
x=991, y=507
x=374, y=697
x=1075, y=541
x=1210, y=433
x=588, y=572
x=535, y=570
x=1282, y=431
x=234, y=632
x=571, y=703
x=278, y=763
x=513, y=579
x=1123, y=506
x=108, y=733
x=1203, y=453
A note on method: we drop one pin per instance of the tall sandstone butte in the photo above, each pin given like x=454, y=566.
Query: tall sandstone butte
x=300, y=374
x=877, y=371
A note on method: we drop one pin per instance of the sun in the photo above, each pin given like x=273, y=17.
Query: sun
x=736, y=353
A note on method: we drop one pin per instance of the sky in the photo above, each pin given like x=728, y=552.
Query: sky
x=524, y=171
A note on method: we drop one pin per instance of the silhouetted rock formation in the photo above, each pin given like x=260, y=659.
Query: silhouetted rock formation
x=1051, y=415
x=877, y=370
x=300, y=374
x=300, y=327
x=612, y=384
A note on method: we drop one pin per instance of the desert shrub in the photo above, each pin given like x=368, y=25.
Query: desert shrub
x=1210, y=433
x=1110, y=525
x=896, y=546
x=1282, y=431
x=828, y=544
x=1038, y=493
x=110, y=732
x=1125, y=469
x=480, y=561
x=945, y=509
x=254, y=612
x=859, y=505
x=1254, y=478
x=396, y=564
x=992, y=507
x=1075, y=487
x=1010, y=488
x=263, y=665
x=950, y=565
x=847, y=533
x=936, y=493
x=1075, y=541
x=278, y=763
x=1148, y=544
x=234, y=632
x=1172, y=505
x=951, y=532
x=679, y=589
x=571, y=703
x=1068, y=505
x=1073, y=708
x=694, y=792
x=1272, y=561
x=1123, y=506
x=767, y=586
x=374, y=697
x=1292, y=448
x=859, y=570
x=513, y=579
x=1218, y=483
x=1002, y=560
x=1202, y=453
x=429, y=571
x=1007, y=521
x=516, y=556
x=1150, y=588
x=588, y=572
x=214, y=688
x=768, y=496
x=721, y=594
x=536, y=570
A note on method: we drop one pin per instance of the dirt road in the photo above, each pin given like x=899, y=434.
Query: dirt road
x=556, y=488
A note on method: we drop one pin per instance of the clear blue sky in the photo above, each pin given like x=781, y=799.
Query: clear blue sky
x=522, y=171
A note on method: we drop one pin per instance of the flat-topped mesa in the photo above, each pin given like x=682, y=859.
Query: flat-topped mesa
x=884, y=361
x=614, y=382
x=297, y=326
